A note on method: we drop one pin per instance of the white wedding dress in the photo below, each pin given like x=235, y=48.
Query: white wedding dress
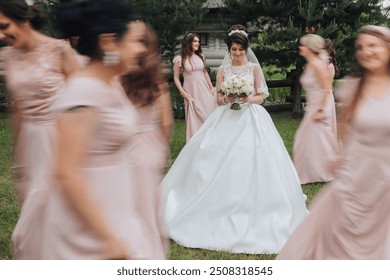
x=233, y=187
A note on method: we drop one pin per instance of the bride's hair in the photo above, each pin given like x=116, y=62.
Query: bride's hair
x=238, y=39
x=237, y=34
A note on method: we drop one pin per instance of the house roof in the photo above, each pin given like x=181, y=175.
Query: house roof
x=212, y=4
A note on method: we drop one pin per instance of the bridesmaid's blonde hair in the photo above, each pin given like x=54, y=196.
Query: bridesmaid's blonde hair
x=314, y=42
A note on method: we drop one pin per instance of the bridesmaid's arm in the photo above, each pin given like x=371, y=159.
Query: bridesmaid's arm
x=16, y=118
x=70, y=64
x=166, y=113
x=324, y=79
x=176, y=79
x=76, y=129
x=208, y=80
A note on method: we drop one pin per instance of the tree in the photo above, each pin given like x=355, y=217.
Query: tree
x=278, y=24
x=171, y=19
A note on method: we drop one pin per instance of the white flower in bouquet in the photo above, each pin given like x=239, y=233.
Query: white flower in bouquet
x=237, y=86
x=248, y=89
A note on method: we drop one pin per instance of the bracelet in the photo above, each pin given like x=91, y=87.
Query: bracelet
x=223, y=100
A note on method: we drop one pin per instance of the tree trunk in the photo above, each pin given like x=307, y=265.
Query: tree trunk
x=297, y=111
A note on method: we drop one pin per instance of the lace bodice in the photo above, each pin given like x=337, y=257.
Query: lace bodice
x=245, y=71
x=34, y=78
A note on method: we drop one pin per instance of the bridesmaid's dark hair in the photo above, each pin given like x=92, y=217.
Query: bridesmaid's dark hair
x=19, y=11
x=87, y=19
x=332, y=55
x=237, y=37
x=186, y=49
x=146, y=85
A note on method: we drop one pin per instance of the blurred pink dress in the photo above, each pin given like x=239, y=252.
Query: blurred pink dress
x=315, y=143
x=350, y=218
x=33, y=80
x=148, y=157
x=202, y=101
x=105, y=172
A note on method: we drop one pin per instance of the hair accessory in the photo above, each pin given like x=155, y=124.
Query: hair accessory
x=29, y=2
x=111, y=58
x=238, y=31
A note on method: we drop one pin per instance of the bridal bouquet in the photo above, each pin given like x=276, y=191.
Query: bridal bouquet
x=237, y=87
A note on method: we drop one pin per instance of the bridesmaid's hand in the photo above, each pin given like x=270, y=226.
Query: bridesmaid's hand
x=185, y=95
x=319, y=116
x=116, y=249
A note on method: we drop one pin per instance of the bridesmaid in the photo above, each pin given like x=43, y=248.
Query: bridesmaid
x=197, y=89
x=333, y=65
x=315, y=142
x=350, y=217
x=36, y=67
x=148, y=91
x=90, y=211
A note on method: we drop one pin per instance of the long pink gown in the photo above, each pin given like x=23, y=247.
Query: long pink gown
x=105, y=172
x=350, y=218
x=315, y=143
x=202, y=102
x=33, y=80
x=148, y=157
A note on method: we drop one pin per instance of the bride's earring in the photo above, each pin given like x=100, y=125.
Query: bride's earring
x=111, y=58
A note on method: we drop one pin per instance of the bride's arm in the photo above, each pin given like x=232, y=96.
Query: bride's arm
x=221, y=99
x=259, y=97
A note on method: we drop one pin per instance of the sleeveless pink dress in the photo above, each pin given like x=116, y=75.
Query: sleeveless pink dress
x=202, y=101
x=315, y=143
x=350, y=218
x=148, y=157
x=33, y=80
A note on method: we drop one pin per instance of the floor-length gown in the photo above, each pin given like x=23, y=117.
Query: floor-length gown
x=105, y=172
x=350, y=219
x=148, y=158
x=315, y=143
x=234, y=187
x=202, y=101
x=33, y=80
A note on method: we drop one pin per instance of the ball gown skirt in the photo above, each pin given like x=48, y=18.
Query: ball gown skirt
x=233, y=187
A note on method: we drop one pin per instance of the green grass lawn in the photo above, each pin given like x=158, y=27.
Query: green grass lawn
x=9, y=207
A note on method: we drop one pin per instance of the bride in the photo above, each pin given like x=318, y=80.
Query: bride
x=233, y=187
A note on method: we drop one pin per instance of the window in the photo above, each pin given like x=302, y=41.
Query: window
x=204, y=39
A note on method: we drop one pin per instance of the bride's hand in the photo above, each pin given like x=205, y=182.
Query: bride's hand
x=230, y=98
x=243, y=99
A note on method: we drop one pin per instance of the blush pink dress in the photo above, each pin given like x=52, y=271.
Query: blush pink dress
x=33, y=80
x=148, y=157
x=350, y=218
x=202, y=101
x=105, y=172
x=315, y=143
